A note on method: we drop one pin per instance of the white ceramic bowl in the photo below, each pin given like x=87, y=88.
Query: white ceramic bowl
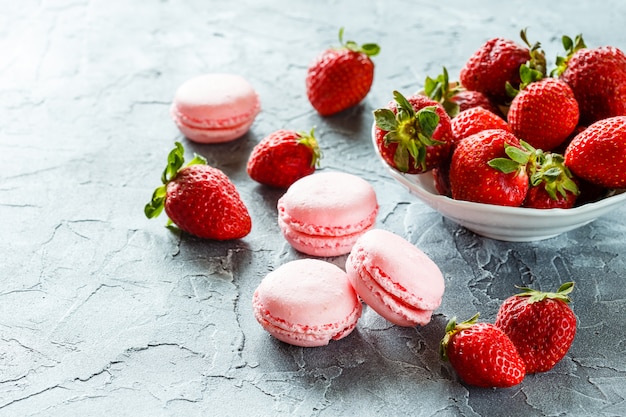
x=513, y=224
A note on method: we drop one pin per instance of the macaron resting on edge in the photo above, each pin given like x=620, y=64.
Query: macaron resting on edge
x=307, y=302
x=395, y=278
x=215, y=108
x=323, y=214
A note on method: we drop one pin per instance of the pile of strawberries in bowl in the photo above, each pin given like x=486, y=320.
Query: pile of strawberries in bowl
x=514, y=150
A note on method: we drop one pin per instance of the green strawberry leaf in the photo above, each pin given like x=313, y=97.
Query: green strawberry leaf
x=175, y=161
x=308, y=139
x=155, y=206
x=401, y=158
x=561, y=294
x=405, y=109
x=369, y=49
x=520, y=156
x=385, y=119
x=504, y=165
x=428, y=120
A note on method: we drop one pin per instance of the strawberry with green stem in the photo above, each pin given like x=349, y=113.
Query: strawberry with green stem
x=541, y=325
x=481, y=354
x=489, y=167
x=597, y=77
x=413, y=134
x=454, y=97
x=199, y=199
x=496, y=63
x=552, y=185
x=283, y=157
x=340, y=78
x=544, y=111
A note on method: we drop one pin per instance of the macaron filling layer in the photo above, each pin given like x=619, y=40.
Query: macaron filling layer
x=207, y=123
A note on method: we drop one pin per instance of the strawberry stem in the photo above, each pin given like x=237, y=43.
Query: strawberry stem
x=441, y=90
x=369, y=49
x=411, y=130
x=571, y=47
x=534, y=295
x=451, y=329
x=175, y=161
x=309, y=140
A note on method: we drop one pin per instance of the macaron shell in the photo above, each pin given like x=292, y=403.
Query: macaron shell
x=215, y=107
x=396, y=277
x=307, y=302
x=329, y=204
x=323, y=214
x=386, y=305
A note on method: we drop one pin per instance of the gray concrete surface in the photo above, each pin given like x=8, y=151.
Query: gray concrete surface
x=105, y=313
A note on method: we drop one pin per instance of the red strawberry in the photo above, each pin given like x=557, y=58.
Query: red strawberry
x=453, y=97
x=489, y=167
x=283, y=157
x=474, y=120
x=552, y=185
x=597, y=77
x=340, y=78
x=494, y=64
x=598, y=153
x=466, y=99
x=543, y=113
x=413, y=135
x=541, y=325
x=482, y=355
x=199, y=199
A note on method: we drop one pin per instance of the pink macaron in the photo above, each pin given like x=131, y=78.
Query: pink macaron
x=307, y=302
x=395, y=278
x=215, y=108
x=323, y=214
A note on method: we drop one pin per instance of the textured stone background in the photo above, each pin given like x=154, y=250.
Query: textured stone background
x=103, y=312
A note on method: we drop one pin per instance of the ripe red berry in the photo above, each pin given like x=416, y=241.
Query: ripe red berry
x=598, y=153
x=482, y=355
x=340, y=78
x=597, y=77
x=541, y=325
x=544, y=113
x=413, y=134
x=283, y=157
x=489, y=167
x=199, y=199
